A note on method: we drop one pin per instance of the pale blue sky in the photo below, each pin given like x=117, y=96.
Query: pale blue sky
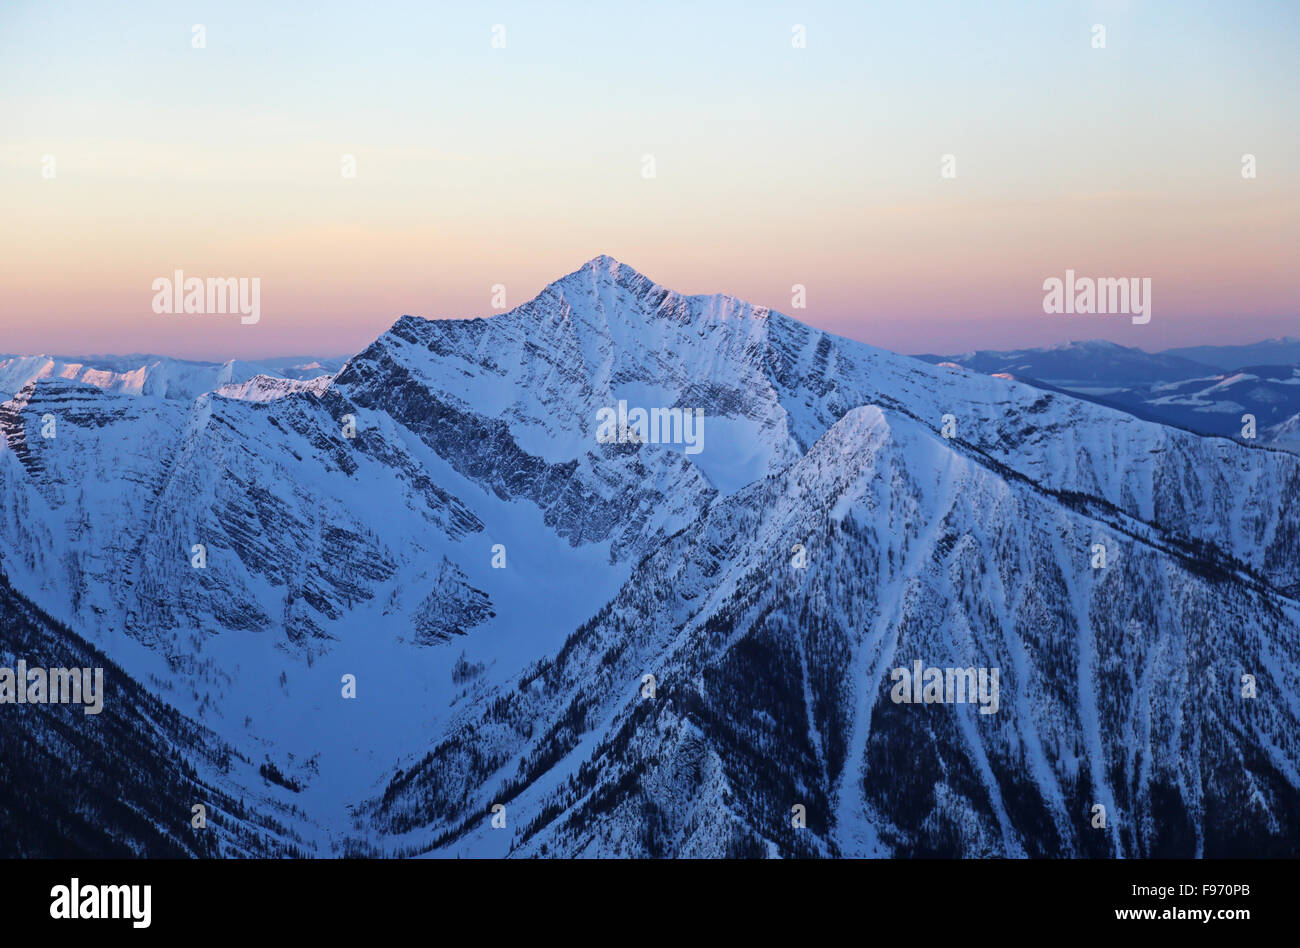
x=775, y=165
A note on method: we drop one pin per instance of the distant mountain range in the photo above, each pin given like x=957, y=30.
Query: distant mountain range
x=1284, y=351
x=1091, y=364
x=1207, y=389
x=1104, y=362
x=421, y=605
x=153, y=374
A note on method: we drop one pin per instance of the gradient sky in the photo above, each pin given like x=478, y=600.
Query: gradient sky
x=775, y=165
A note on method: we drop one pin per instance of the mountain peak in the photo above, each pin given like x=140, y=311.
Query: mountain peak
x=602, y=261
x=606, y=267
x=602, y=273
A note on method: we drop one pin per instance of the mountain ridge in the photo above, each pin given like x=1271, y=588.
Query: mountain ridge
x=356, y=527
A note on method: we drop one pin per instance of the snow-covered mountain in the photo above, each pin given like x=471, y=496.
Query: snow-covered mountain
x=154, y=375
x=443, y=521
x=1164, y=387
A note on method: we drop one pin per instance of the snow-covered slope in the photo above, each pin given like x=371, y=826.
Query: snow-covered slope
x=124, y=781
x=441, y=520
x=1286, y=434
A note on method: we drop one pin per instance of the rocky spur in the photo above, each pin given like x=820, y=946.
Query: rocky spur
x=23, y=685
